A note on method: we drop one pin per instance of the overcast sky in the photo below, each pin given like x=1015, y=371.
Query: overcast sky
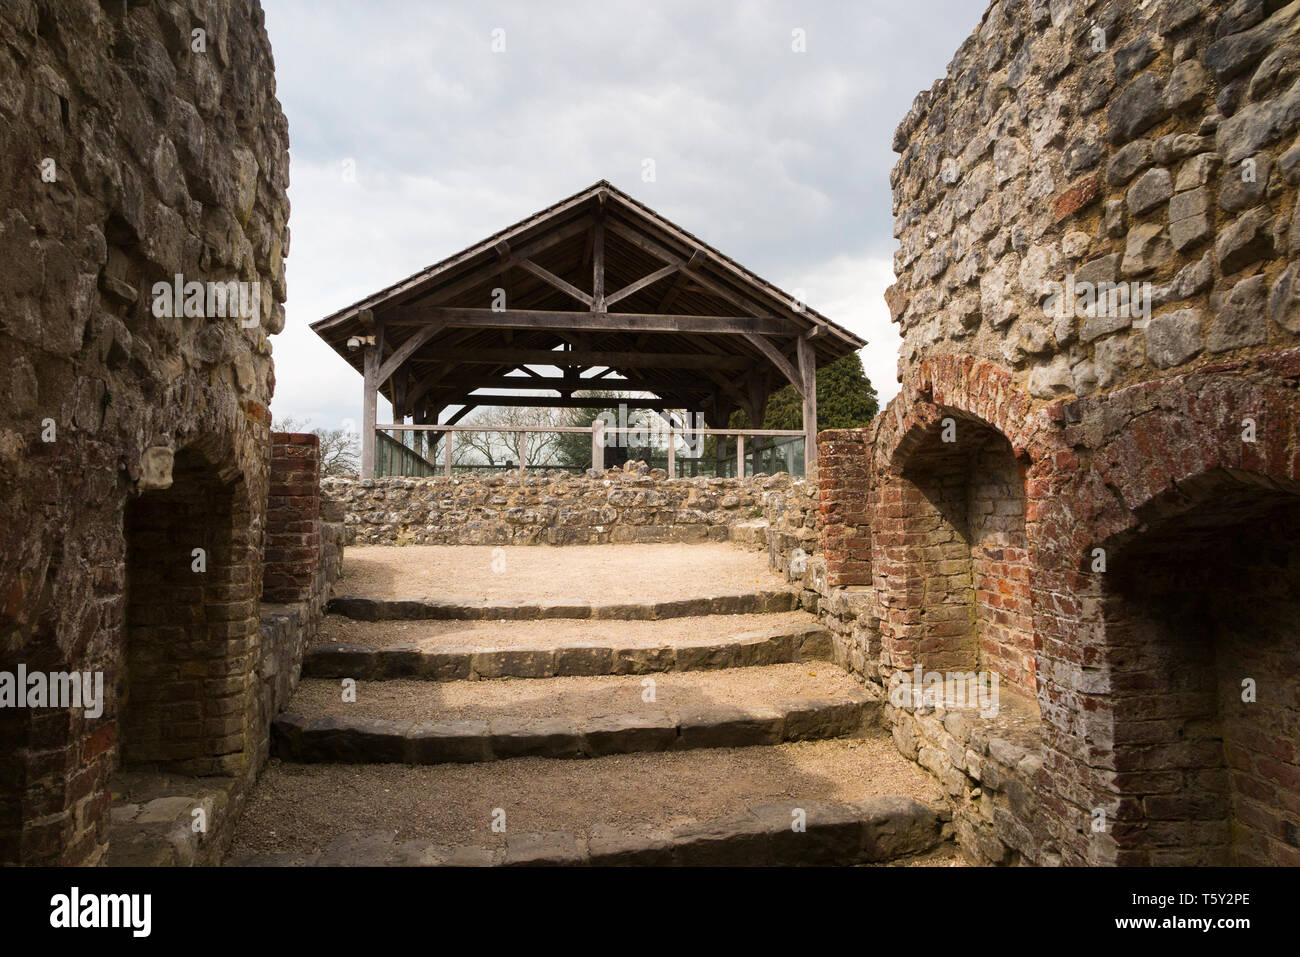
x=778, y=158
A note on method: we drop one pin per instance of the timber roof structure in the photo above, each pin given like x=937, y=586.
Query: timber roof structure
x=597, y=283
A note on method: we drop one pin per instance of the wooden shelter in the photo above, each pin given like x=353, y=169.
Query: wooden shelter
x=596, y=283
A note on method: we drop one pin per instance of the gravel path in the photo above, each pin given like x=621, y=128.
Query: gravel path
x=611, y=573
x=572, y=697
x=436, y=635
x=301, y=808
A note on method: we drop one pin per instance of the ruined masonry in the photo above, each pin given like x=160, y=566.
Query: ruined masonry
x=1093, y=500
x=144, y=141
x=1113, y=530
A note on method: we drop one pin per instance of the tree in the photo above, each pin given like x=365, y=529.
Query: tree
x=496, y=444
x=845, y=400
x=340, y=449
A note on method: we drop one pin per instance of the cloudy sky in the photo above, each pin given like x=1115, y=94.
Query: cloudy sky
x=779, y=158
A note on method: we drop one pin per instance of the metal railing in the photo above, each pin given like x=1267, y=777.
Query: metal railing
x=767, y=453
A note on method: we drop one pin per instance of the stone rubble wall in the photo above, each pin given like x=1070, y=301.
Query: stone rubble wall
x=562, y=508
x=1115, y=142
x=131, y=157
x=1093, y=142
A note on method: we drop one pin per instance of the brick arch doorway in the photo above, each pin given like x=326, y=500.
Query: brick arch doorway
x=951, y=553
x=1201, y=609
x=191, y=623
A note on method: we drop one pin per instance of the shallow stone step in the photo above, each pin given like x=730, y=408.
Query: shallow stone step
x=362, y=740
x=609, y=655
x=467, y=813
x=874, y=830
x=366, y=608
x=417, y=722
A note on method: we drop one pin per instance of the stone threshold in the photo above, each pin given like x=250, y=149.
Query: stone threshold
x=360, y=740
x=873, y=831
x=460, y=608
x=155, y=824
x=754, y=648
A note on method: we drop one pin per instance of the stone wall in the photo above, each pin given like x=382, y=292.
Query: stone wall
x=1093, y=504
x=1108, y=142
x=562, y=508
x=143, y=141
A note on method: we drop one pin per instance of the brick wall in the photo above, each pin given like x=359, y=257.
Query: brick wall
x=292, y=518
x=845, y=491
x=1127, y=741
x=191, y=625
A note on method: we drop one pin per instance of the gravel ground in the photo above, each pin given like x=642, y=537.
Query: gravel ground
x=611, y=573
x=436, y=635
x=575, y=697
x=301, y=808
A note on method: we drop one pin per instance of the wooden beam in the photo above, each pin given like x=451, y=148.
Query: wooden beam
x=691, y=269
x=609, y=321
x=413, y=284
x=545, y=274
x=732, y=268
x=640, y=284
x=407, y=349
x=369, y=408
x=598, y=301
x=778, y=359
x=582, y=357
x=698, y=258
x=808, y=369
x=549, y=402
x=562, y=383
x=497, y=266
x=422, y=387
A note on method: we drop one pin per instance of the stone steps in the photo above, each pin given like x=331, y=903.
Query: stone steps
x=874, y=830
x=445, y=660
x=656, y=726
x=468, y=608
x=415, y=722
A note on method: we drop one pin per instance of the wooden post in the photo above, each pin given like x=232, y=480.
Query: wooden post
x=808, y=371
x=369, y=408
x=448, y=438
x=672, y=453
x=598, y=445
x=522, y=445
x=598, y=268
x=740, y=456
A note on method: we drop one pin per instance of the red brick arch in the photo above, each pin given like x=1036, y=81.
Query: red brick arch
x=1161, y=461
x=948, y=594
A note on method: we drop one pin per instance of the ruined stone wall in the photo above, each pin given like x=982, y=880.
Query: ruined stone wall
x=561, y=508
x=1108, y=142
x=1094, y=466
x=142, y=141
